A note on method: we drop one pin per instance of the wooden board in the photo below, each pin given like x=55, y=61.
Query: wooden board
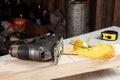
x=116, y=16
x=68, y=65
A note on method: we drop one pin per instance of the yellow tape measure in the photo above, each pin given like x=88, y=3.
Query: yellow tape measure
x=109, y=35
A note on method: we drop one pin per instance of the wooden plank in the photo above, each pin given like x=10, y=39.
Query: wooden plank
x=109, y=12
x=104, y=13
x=92, y=15
x=116, y=20
x=61, y=6
x=63, y=70
x=106, y=74
x=99, y=14
x=70, y=65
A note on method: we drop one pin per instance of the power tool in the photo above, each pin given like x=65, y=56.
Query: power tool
x=42, y=48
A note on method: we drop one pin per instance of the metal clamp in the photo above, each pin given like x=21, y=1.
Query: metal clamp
x=58, y=50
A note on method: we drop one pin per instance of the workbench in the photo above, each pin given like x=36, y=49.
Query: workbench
x=69, y=67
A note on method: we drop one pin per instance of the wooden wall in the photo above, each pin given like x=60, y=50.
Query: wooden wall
x=116, y=19
x=50, y=4
x=104, y=13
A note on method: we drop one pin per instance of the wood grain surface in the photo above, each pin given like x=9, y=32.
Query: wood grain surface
x=68, y=65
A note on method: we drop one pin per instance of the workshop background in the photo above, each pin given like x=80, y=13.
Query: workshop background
x=20, y=19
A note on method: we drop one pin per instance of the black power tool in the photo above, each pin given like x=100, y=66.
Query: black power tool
x=41, y=48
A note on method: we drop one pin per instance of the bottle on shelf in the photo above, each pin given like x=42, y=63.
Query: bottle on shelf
x=21, y=16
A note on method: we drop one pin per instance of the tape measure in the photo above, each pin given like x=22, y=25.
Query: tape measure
x=109, y=35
